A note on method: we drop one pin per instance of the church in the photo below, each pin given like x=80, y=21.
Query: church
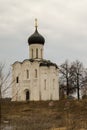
x=35, y=79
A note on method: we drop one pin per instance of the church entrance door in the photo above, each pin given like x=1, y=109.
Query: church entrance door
x=27, y=95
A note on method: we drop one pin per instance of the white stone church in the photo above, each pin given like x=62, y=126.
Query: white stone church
x=35, y=78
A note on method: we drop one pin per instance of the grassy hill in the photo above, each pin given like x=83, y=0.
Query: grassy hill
x=44, y=115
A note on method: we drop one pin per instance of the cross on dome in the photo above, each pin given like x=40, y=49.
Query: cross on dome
x=36, y=25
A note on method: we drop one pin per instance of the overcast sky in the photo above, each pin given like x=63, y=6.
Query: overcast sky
x=63, y=23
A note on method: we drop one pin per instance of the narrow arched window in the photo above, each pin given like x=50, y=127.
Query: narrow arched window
x=32, y=53
x=27, y=72
x=35, y=73
x=36, y=53
x=17, y=79
x=53, y=83
x=41, y=53
x=45, y=84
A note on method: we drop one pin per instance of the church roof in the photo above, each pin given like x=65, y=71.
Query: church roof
x=42, y=63
x=47, y=63
x=36, y=37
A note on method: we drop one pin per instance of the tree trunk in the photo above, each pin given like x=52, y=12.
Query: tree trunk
x=78, y=87
x=0, y=93
x=67, y=87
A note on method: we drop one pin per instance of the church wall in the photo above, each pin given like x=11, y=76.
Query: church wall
x=35, y=81
x=16, y=86
x=44, y=83
x=54, y=86
x=31, y=84
x=43, y=86
x=49, y=90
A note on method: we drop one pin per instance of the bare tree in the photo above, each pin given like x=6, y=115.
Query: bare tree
x=65, y=75
x=3, y=78
x=6, y=82
x=73, y=77
x=77, y=70
x=84, y=84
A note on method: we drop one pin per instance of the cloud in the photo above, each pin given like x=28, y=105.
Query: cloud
x=62, y=23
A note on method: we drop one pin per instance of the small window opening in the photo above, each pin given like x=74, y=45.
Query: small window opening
x=35, y=73
x=53, y=83
x=45, y=84
x=32, y=53
x=36, y=53
x=41, y=53
x=27, y=71
x=17, y=79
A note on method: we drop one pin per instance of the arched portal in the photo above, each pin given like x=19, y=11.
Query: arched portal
x=27, y=95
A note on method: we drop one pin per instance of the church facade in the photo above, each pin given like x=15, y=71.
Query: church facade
x=35, y=79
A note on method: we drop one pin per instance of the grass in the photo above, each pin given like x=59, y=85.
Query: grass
x=43, y=116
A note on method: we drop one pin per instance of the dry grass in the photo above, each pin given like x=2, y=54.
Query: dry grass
x=41, y=116
x=61, y=128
